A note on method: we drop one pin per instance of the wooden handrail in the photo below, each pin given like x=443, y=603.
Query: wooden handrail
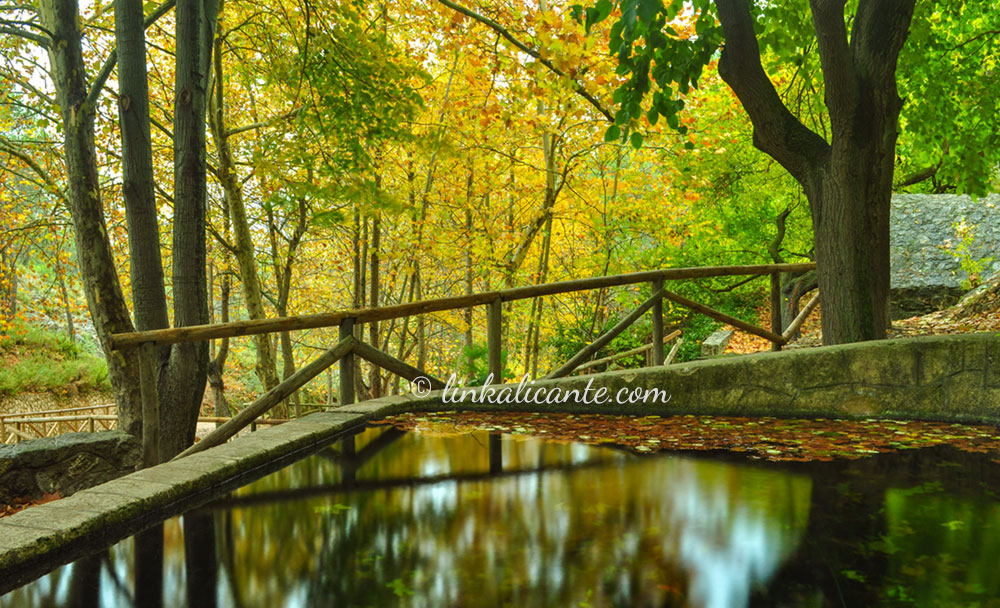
x=626, y=353
x=58, y=411
x=197, y=333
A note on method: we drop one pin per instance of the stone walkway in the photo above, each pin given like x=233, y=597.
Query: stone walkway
x=36, y=540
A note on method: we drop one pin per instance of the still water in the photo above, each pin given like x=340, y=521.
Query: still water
x=411, y=519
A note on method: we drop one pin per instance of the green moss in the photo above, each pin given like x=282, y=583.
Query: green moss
x=36, y=359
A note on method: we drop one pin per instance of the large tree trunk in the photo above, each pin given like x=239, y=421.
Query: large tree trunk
x=94, y=256
x=149, y=300
x=848, y=181
x=184, y=385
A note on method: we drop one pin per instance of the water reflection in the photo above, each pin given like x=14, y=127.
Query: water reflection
x=417, y=520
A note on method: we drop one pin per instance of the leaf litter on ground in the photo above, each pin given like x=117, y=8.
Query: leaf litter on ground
x=766, y=438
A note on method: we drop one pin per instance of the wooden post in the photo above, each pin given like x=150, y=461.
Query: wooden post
x=658, y=324
x=90, y=424
x=799, y=320
x=150, y=405
x=494, y=322
x=776, y=308
x=346, y=365
x=3, y=430
x=676, y=348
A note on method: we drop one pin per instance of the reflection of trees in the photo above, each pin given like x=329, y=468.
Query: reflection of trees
x=425, y=523
x=868, y=544
x=602, y=534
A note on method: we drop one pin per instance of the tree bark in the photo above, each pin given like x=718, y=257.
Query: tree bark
x=94, y=256
x=848, y=181
x=187, y=372
x=149, y=300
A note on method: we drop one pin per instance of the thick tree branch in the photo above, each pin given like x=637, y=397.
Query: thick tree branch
x=577, y=87
x=264, y=123
x=840, y=81
x=917, y=176
x=14, y=150
x=775, y=130
x=39, y=39
x=880, y=29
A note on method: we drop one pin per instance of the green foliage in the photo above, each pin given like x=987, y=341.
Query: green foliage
x=35, y=359
x=363, y=90
x=474, y=363
x=972, y=265
x=651, y=51
x=947, y=75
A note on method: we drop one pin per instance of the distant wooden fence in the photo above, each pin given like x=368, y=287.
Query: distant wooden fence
x=349, y=347
x=22, y=426
x=49, y=423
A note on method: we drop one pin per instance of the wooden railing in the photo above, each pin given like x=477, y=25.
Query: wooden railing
x=348, y=347
x=23, y=426
x=17, y=427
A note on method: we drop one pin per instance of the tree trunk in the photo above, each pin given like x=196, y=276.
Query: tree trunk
x=94, y=256
x=70, y=325
x=188, y=368
x=375, y=379
x=245, y=252
x=850, y=208
x=848, y=181
x=217, y=365
x=149, y=300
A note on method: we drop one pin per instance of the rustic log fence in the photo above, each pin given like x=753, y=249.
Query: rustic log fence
x=348, y=347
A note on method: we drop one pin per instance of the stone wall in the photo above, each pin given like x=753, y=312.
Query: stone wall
x=64, y=464
x=924, y=245
x=949, y=378
x=924, y=240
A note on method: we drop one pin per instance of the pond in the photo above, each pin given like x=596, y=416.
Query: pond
x=420, y=519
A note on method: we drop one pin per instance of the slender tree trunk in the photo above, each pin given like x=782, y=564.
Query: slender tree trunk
x=245, y=251
x=217, y=365
x=188, y=369
x=149, y=300
x=375, y=380
x=8, y=284
x=469, y=343
x=70, y=325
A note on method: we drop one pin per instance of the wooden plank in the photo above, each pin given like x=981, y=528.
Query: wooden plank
x=494, y=326
x=346, y=394
x=799, y=320
x=197, y=333
x=673, y=351
x=272, y=397
x=657, y=325
x=589, y=350
x=721, y=316
x=394, y=365
x=59, y=411
x=150, y=405
x=635, y=351
x=221, y=419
